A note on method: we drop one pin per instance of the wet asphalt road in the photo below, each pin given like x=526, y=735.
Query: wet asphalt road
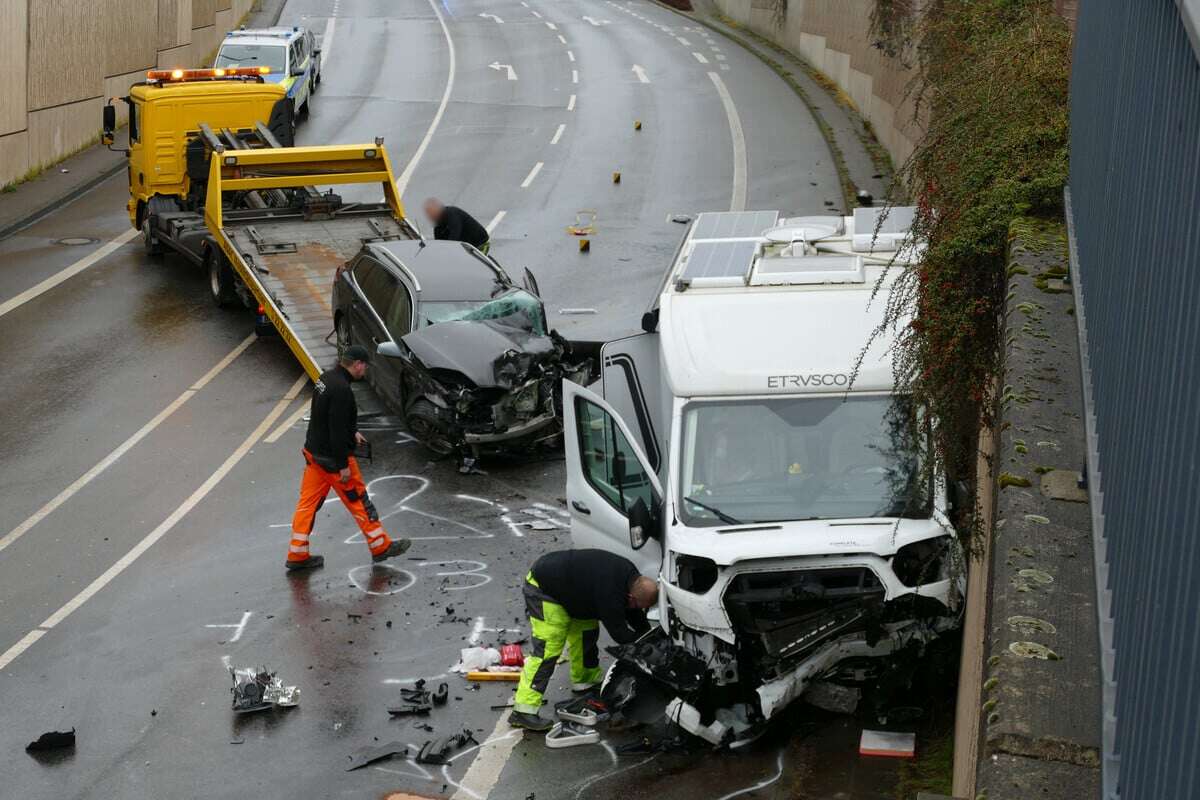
x=148, y=478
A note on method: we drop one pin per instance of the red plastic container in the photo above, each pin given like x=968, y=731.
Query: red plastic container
x=511, y=655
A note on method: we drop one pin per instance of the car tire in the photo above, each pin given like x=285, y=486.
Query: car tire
x=220, y=279
x=423, y=423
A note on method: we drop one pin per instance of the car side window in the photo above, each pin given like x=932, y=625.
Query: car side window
x=362, y=269
x=609, y=463
x=378, y=287
x=398, y=316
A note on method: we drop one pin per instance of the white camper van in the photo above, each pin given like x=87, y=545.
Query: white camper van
x=734, y=450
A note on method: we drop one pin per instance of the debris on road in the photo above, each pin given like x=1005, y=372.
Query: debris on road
x=496, y=674
x=472, y=659
x=582, y=710
x=52, y=740
x=511, y=655
x=888, y=743
x=419, y=700
x=570, y=734
x=436, y=751
x=832, y=697
x=257, y=690
x=369, y=755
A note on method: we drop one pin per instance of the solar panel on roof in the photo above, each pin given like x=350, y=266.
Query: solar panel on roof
x=720, y=263
x=733, y=224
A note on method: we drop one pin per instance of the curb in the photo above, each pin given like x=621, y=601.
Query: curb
x=66, y=197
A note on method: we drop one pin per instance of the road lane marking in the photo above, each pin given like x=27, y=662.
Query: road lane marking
x=402, y=181
x=574, y=76
x=596, y=22
x=700, y=57
x=493, y=16
x=554, y=27
x=123, y=448
x=683, y=41
x=536, y=14
x=66, y=274
x=570, y=55
x=640, y=72
x=560, y=36
x=533, y=173
x=327, y=37
x=484, y=772
x=287, y=424
x=558, y=133
x=491, y=226
x=512, y=73
x=163, y=528
x=737, y=201
x=571, y=103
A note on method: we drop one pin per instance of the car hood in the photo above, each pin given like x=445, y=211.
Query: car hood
x=486, y=353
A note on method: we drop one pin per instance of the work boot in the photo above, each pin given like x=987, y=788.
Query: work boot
x=396, y=548
x=530, y=722
x=312, y=562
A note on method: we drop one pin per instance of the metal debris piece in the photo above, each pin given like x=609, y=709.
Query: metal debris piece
x=585, y=223
x=582, y=711
x=832, y=697
x=368, y=755
x=435, y=751
x=52, y=740
x=257, y=690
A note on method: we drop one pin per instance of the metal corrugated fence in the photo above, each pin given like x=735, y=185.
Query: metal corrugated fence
x=1134, y=209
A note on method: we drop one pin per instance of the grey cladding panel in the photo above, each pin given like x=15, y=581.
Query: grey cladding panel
x=720, y=260
x=733, y=224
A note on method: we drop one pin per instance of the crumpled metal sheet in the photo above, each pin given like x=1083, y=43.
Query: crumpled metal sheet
x=257, y=690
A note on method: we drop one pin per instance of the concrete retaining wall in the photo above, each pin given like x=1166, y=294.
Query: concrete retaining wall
x=61, y=58
x=833, y=36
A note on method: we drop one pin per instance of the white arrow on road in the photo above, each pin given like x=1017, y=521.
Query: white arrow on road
x=596, y=22
x=641, y=73
x=512, y=73
x=492, y=16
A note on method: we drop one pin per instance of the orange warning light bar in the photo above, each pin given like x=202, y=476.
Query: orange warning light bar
x=167, y=75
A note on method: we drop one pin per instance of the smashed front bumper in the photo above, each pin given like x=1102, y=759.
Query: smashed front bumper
x=516, y=431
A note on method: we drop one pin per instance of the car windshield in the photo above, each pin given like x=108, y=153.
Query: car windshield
x=784, y=459
x=253, y=55
x=517, y=309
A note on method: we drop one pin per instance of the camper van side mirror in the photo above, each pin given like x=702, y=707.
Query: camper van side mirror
x=641, y=524
x=109, y=123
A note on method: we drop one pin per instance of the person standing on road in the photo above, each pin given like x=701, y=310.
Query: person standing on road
x=453, y=224
x=330, y=464
x=567, y=594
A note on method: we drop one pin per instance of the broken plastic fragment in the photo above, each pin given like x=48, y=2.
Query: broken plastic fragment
x=52, y=740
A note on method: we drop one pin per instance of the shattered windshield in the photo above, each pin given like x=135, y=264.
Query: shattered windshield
x=785, y=459
x=516, y=309
x=253, y=55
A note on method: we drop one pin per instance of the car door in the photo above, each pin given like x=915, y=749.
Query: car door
x=631, y=379
x=297, y=66
x=607, y=473
x=377, y=287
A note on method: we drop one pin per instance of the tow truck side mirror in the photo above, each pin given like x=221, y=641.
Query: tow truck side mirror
x=109, y=123
x=641, y=524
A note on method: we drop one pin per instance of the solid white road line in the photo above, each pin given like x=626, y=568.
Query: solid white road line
x=558, y=133
x=285, y=426
x=571, y=103
x=700, y=57
x=163, y=528
x=485, y=769
x=491, y=226
x=574, y=76
x=533, y=173
x=123, y=448
x=738, y=200
x=402, y=181
x=327, y=41
x=70, y=272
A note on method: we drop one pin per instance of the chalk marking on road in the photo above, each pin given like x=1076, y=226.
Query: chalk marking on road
x=761, y=784
x=163, y=528
x=574, y=76
x=599, y=776
x=476, y=631
x=402, y=181
x=640, y=72
x=287, y=424
x=491, y=226
x=558, y=133
x=125, y=446
x=238, y=627
x=97, y=255
x=475, y=572
x=700, y=57
x=737, y=201
x=561, y=38
x=375, y=572
x=401, y=507
x=485, y=770
x=483, y=500
x=571, y=103
x=554, y=27
x=513, y=527
x=423, y=773
x=683, y=41
x=553, y=510
x=533, y=172
x=570, y=56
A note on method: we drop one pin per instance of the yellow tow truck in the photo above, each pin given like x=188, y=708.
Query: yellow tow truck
x=210, y=178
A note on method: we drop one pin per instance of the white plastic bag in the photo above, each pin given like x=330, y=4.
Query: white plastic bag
x=472, y=659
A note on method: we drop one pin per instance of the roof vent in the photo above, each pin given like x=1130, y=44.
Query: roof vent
x=808, y=270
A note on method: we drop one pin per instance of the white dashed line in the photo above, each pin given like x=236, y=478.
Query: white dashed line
x=571, y=103
x=560, y=36
x=570, y=55
x=574, y=76
x=683, y=41
x=539, y=16
x=558, y=133
x=720, y=58
x=700, y=57
x=491, y=226
x=533, y=173
x=554, y=27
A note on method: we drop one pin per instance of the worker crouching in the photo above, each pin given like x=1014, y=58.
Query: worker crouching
x=330, y=464
x=568, y=594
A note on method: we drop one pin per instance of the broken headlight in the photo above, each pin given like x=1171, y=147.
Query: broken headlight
x=525, y=400
x=922, y=562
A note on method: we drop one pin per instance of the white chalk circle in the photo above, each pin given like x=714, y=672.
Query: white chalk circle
x=380, y=579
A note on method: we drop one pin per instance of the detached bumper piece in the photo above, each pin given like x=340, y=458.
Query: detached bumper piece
x=257, y=690
x=570, y=734
x=438, y=751
x=582, y=711
x=419, y=700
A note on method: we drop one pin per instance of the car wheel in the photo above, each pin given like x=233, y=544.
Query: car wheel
x=423, y=423
x=220, y=279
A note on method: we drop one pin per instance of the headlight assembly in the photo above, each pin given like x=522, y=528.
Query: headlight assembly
x=526, y=399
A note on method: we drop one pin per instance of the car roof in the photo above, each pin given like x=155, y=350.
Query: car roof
x=263, y=36
x=444, y=270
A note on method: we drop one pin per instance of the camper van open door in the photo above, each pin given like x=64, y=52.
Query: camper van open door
x=632, y=385
x=613, y=495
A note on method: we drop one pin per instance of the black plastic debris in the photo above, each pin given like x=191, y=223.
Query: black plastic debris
x=417, y=699
x=441, y=695
x=369, y=755
x=52, y=740
x=436, y=751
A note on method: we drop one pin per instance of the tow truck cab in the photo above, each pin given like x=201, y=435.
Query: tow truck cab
x=741, y=450
x=166, y=163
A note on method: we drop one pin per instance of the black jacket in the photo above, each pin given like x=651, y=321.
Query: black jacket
x=593, y=584
x=333, y=420
x=457, y=225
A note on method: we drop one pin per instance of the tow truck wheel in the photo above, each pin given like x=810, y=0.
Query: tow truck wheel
x=220, y=279
x=423, y=423
x=149, y=240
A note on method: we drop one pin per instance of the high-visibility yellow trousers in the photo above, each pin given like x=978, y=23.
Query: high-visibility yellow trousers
x=552, y=629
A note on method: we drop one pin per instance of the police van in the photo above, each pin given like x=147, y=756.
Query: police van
x=752, y=450
x=292, y=54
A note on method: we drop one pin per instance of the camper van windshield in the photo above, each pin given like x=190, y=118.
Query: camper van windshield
x=783, y=459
